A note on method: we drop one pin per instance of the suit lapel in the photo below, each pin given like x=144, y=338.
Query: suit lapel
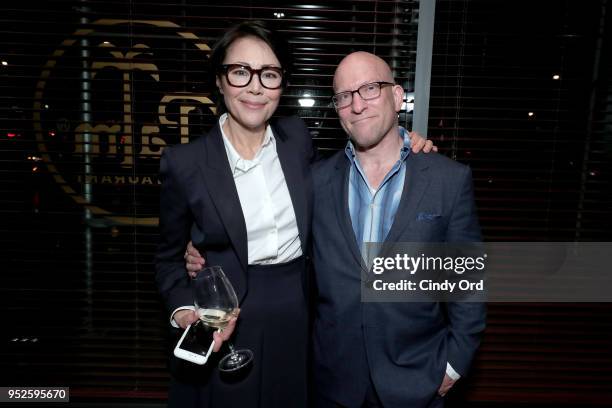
x=339, y=185
x=220, y=182
x=415, y=185
x=293, y=172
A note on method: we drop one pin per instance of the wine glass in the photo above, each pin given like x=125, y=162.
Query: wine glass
x=215, y=303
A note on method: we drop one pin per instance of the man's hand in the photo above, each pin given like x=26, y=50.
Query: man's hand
x=447, y=384
x=193, y=260
x=419, y=143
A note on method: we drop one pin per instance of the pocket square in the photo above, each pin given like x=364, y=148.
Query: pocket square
x=427, y=216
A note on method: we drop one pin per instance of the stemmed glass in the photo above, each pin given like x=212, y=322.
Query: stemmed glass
x=215, y=303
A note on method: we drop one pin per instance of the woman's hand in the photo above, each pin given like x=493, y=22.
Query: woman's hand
x=226, y=333
x=186, y=317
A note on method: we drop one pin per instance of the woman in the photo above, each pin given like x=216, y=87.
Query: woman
x=243, y=193
x=245, y=188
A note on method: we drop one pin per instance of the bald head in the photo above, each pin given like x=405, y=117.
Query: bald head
x=368, y=120
x=361, y=65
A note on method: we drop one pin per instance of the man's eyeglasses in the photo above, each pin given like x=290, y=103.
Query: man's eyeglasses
x=367, y=92
x=239, y=75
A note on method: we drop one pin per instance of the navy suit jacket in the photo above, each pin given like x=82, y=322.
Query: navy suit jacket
x=404, y=347
x=198, y=191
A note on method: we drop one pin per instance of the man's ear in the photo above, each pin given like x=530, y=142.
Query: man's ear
x=398, y=97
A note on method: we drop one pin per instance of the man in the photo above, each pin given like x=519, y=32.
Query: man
x=403, y=354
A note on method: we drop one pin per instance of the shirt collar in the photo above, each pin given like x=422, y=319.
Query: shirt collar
x=235, y=160
x=404, y=151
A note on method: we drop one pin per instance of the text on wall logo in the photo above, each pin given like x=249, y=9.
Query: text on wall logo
x=108, y=101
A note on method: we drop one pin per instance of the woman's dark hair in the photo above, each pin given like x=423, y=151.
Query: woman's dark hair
x=257, y=29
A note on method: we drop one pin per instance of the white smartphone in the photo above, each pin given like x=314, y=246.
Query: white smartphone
x=196, y=343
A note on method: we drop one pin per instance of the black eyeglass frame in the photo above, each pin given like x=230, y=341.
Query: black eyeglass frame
x=223, y=69
x=380, y=86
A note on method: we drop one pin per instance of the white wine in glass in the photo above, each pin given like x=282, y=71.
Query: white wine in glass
x=217, y=318
x=216, y=302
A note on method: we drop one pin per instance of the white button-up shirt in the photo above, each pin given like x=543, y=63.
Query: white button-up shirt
x=272, y=232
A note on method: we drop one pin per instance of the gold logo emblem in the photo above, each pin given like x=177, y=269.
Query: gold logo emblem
x=108, y=101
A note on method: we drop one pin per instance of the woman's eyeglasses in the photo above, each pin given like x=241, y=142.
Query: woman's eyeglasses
x=239, y=76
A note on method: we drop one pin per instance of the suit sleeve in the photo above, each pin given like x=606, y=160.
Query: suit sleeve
x=466, y=319
x=174, y=222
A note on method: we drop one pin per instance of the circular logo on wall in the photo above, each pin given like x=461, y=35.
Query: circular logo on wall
x=108, y=101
